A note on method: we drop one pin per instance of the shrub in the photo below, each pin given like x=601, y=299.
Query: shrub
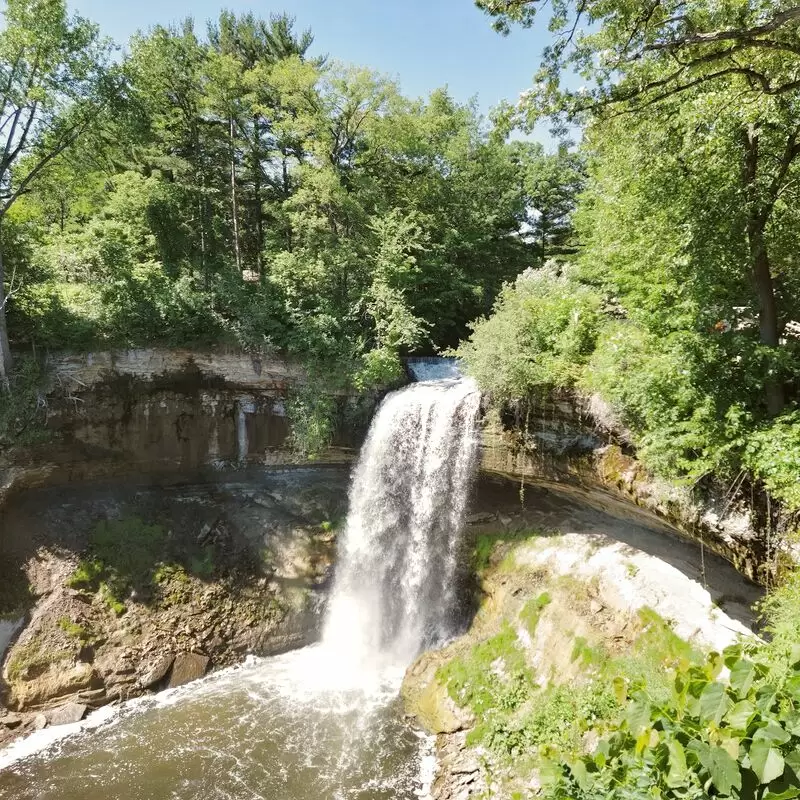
x=23, y=409
x=738, y=736
x=540, y=334
x=773, y=455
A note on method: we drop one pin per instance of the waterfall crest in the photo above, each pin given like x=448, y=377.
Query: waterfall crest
x=395, y=590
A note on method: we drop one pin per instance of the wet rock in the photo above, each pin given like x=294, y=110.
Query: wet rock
x=86, y=654
x=39, y=722
x=71, y=712
x=91, y=695
x=480, y=518
x=11, y=721
x=188, y=667
x=155, y=671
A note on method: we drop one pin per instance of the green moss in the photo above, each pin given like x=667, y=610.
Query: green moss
x=483, y=551
x=493, y=674
x=32, y=658
x=75, y=630
x=129, y=556
x=557, y=717
x=485, y=545
x=532, y=610
x=86, y=575
x=519, y=720
x=108, y=595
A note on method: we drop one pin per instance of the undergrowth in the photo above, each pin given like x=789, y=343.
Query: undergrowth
x=129, y=559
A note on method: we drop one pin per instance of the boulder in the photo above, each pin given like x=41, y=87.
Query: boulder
x=187, y=667
x=71, y=712
x=11, y=721
x=39, y=722
x=155, y=671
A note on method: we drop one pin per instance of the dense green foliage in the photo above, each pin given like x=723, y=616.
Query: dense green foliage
x=245, y=192
x=542, y=330
x=729, y=727
x=733, y=737
x=688, y=229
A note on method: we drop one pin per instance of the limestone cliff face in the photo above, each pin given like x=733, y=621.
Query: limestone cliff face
x=195, y=444
x=564, y=591
x=569, y=441
x=169, y=411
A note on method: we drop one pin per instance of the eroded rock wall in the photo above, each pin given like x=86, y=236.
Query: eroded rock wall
x=564, y=440
x=169, y=411
x=197, y=576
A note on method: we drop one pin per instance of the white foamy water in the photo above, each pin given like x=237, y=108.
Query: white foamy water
x=325, y=721
x=396, y=586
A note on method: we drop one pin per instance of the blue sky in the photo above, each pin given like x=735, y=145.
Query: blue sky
x=424, y=43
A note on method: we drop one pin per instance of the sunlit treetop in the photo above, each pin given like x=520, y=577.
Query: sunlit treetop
x=633, y=54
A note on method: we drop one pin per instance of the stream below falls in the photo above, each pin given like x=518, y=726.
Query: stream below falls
x=274, y=729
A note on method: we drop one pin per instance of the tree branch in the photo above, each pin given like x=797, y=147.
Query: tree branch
x=778, y=21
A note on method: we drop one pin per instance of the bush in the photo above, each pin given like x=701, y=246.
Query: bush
x=23, y=409
x=540, y=334
x=773, y=455
x=665, y=391
x=738, y=736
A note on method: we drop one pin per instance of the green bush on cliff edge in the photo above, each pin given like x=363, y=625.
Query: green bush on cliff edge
x=730, y=727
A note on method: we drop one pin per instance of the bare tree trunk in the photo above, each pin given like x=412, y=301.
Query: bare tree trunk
x=757, y=217
x=234, y=204
x=768, y=325
x=5, y=348
x=259, y=212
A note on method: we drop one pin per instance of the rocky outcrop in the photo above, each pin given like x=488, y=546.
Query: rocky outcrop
x=197, y=576
x=169, y=411
x=564, y=590
x=575, y=443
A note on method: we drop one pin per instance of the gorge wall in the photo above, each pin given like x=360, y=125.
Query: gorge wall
x=572, y=442
x=196, y=444
x=169, y=412
x=160, y=411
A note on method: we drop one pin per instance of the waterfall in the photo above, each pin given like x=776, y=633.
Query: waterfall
x=395, y=590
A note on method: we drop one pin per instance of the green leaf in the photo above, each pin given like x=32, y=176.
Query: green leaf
x=771, y=733
x=638, y=717
x=741, y=678
x=767, y=761
x=713, y=702
x=723, y=769
x=793, y=761
x=676, y=776
x=581, y=775
x=740, y=716
x=788, y=794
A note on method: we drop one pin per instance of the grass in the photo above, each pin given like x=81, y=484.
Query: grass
x=532, y=610
x=492, y=675
x=129, y=558
x=485, y=544
x=75, y=630
x=519, y=719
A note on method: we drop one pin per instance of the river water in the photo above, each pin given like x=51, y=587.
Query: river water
x=325, y=722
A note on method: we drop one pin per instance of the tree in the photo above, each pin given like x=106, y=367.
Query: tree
x=552, y=183
x=54, y=83
x=637, y=57
x=242, y=52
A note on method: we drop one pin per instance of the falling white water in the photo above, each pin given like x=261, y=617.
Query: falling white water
x=398, y=567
